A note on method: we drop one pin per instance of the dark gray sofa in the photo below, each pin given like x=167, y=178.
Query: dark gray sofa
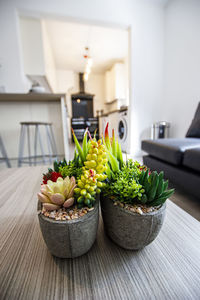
x=178, y=158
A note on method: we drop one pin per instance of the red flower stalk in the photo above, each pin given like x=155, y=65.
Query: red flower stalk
x=107, y=139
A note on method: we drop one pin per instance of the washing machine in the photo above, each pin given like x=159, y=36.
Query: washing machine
x=113, y=122
x=123, y=131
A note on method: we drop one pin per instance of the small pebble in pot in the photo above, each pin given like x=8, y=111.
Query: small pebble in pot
x=139, y=209
x=64, y=214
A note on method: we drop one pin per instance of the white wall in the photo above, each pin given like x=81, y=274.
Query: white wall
x=146, y=21
x=67, y=83
x=32, y=47
x=95, y=85
x=38, y=60
x=12, y=75
x=182, y=64
x=50, y=68
x=146, y=84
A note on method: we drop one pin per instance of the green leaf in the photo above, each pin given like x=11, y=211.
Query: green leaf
x=147, y=184
x=141, y=177
x=144, y=199
x=85, y=150
x=165, y=185
x=119, y=153
x=160, y=184
x=113, y=162
x=114, y=146
x=162, y=198
x=78, y=147
x=154, y=186
x=56, y=166
x=145, y=177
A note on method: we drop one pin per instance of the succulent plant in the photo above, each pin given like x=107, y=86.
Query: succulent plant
x=71, y=168
x=114, y=153
x=94, y=158
x=59, y=163
x=156, y=188
x=124, y=185
x=54, y=195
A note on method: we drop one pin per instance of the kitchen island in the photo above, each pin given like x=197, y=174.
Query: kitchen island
x=168, y=268
x=16, y=108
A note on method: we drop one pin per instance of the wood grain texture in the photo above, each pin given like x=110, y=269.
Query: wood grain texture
x=169, y=268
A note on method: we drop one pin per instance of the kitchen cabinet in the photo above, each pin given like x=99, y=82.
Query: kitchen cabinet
x=37, y=55
x=115, y=83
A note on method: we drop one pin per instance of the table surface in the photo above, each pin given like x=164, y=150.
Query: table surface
x=169, y=268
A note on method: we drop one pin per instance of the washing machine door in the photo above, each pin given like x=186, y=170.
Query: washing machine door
x=122, y=129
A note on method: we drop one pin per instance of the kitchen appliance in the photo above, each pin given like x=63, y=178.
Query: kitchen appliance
x=82, y=111
x=160, y=130
x=123, y=131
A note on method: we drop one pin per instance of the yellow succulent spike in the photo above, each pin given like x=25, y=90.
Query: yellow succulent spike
x=93, y=173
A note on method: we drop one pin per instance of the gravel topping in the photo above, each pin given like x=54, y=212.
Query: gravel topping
x=64, y=214
x=139, y=208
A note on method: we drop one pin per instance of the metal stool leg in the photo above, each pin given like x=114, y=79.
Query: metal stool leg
x=29, y=146
x=38, y=139
x=54, y=148
x=35, y=144
x=41, y=147
x=49, y=144
x=4, y=153
x=21, y=145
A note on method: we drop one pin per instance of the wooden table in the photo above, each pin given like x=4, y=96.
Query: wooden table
x=169, y=268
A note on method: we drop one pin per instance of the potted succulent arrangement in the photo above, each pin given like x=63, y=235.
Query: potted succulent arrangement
x=133, y=200
x=68, y=205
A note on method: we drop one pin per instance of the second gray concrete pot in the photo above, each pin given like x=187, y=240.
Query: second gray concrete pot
x=70, y=238
x=131, y=230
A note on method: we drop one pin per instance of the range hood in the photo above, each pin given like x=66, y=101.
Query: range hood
x=82, y=94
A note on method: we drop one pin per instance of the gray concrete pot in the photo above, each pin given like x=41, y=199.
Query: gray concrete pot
x=70, y=238
x=130, y=230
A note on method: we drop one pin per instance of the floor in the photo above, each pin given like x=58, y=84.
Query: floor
x=187, y=202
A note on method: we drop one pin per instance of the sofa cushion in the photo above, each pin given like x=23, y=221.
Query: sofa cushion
x=194, y=129
x=191, y=159
x=170, y=150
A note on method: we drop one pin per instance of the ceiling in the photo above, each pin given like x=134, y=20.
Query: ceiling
x=68, y=41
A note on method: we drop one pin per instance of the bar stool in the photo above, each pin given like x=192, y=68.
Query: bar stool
x=32, y=159
x=4, y=157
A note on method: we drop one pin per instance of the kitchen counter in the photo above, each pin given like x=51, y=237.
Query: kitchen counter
x=31, y=97
x=168, y=268
x=31, y=107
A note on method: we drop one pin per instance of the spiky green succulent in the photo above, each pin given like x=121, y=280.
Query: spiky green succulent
x=156, y=188
x=71, y=168
x=114, y=153
x=59, y=164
